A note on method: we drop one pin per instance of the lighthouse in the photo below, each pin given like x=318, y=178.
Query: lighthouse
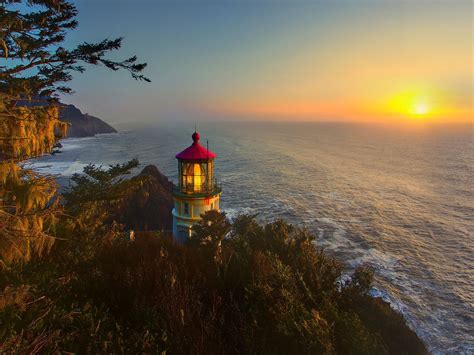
x=197, y=190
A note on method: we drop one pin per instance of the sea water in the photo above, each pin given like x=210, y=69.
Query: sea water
x=397, y=198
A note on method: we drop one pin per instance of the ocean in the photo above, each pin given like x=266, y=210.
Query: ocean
x=398, y=198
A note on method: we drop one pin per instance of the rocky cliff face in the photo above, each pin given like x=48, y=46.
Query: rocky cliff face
x=83, y=125
x=148, y=207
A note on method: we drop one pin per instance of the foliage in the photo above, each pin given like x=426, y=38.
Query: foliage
x=28, y=213
x=32, y=43
x=272, y=291
x=97, y=197
x=209, y=234
x=36, y=65
x=29, y=131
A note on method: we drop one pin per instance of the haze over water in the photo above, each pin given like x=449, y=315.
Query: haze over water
x=398, y=199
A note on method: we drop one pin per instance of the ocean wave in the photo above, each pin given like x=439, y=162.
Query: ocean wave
x=63, y=169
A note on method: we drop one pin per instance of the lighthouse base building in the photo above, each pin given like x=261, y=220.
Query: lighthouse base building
x=197, y=190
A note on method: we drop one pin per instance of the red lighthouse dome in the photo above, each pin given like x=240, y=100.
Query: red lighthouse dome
x=196, y=151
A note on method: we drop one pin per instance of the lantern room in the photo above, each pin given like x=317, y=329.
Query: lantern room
x=196, y=169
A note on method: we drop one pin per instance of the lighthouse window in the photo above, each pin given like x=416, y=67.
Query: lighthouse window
x=186, y=208
x=198, y=177
x=194, y=177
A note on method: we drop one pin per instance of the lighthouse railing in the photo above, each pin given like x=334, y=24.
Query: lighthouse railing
x=204, y=190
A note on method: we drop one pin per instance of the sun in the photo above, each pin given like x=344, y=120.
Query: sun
x=420, y=108
x=413, y=104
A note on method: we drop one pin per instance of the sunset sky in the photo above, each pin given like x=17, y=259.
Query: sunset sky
x=346, y=60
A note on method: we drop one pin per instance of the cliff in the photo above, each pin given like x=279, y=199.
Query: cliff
x=83, y=124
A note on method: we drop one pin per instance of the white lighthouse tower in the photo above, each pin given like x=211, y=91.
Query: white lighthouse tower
x=197, y=190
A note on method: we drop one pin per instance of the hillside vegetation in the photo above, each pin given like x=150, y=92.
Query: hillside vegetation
x=235, y=287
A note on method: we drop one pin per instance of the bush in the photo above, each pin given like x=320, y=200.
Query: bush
x=234, y=288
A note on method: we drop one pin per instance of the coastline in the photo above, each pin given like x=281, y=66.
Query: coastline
x=352, y=226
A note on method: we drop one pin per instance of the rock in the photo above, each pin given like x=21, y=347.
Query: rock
x=152, y=170
x=149, y=207
x=83, y=125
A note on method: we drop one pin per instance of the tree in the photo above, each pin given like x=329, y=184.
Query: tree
x=212, y=228
x=96, y=194
x=28, y=213
x=210, y=231
x=36, y=66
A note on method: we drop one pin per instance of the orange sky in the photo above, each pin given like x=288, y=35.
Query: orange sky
x=368, y=75
x=362, y=60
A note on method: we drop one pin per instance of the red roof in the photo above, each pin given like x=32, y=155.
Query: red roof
x=195, y=151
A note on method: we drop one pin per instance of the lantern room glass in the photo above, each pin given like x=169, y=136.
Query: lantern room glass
x=196, y=177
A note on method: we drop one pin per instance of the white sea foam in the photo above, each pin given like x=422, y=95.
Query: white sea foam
x=71, y=146
x=233, y=213
x=375, y=257
x=64, y=169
